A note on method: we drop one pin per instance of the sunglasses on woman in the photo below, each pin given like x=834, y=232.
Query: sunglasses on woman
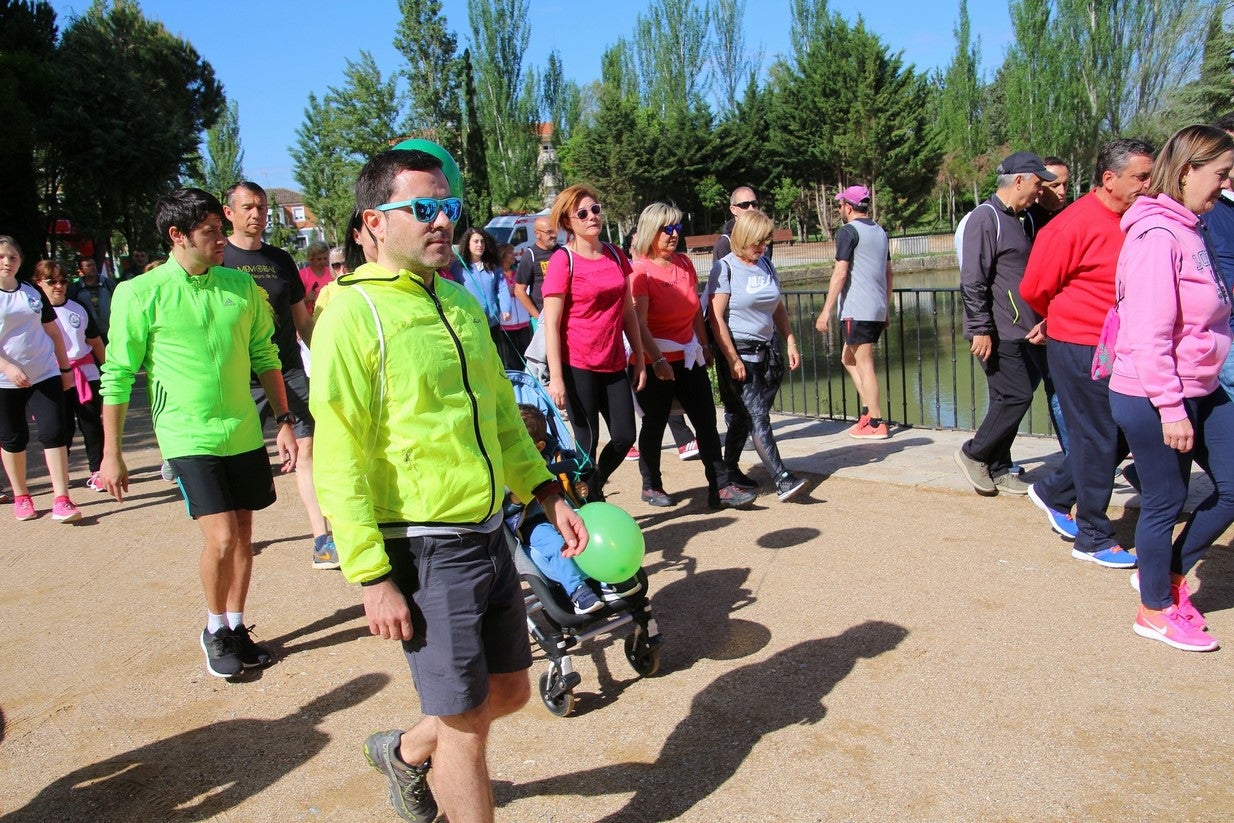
x=425, y=209
x=581, y=214
x=56, y=282
x=672, y=228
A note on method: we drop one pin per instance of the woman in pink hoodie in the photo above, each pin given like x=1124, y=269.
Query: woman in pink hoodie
x=1173, y=336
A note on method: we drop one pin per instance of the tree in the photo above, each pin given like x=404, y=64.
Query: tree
x=732, y=62
x=1211, y=94
x=670, y=43
x=223, y=163
x=339, y=133
x=28, y=79
x=505, y=101
x=478, y=194
x=433, y=72
x=126, y=120
x=959, y=115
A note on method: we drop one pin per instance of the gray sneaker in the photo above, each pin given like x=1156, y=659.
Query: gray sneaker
x=1010, y=484
x=409, y=790
x=976, y=473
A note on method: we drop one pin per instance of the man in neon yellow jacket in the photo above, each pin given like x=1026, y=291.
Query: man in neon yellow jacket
x=418, y=436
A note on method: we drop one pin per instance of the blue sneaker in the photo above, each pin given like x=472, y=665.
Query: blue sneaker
x=1115, y=557
x=325, y=555
x=1060, y=522
x=585, y=600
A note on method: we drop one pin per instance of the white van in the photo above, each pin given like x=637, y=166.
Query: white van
x=515, y=229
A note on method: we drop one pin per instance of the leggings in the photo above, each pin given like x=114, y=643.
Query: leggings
x=692, y=388
x=747, y=410
x=590, y=395
x=89, y=418
x=46, y=402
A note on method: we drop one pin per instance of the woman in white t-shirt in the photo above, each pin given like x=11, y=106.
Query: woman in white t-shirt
x=83, y=344
x=34, y=373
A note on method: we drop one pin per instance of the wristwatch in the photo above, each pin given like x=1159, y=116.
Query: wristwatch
x=286, y=417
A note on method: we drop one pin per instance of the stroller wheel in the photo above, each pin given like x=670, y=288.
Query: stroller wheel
x=644, y=656
x=557, y=694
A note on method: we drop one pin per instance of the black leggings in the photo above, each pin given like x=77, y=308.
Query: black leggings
x=45, y=401
x=88, y=417
x=590, y=394
x=747, y=411
x=692, y=388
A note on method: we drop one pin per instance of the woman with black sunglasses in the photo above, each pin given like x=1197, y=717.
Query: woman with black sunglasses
x=665, y=289
x=587, y=305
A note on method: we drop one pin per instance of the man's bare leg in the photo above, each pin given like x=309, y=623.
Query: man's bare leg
x=218, y=564
x=304, y=485
x=241, y=562
x=457, y=745
x=859, y=363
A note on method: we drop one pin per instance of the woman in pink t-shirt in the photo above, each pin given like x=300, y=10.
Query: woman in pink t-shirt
x=587, y=305
x=665, y=289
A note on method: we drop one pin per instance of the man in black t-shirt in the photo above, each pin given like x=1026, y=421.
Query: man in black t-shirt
x=277, y=274
x=530, y=275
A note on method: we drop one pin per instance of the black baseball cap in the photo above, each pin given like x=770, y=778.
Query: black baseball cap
x=1025, y=161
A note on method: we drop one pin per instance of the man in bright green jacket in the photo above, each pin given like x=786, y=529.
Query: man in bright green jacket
x=418, y=436
x=198, y=329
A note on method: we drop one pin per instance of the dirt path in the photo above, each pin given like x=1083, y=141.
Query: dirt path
x=875, y=652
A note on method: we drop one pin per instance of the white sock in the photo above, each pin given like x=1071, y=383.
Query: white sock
x=235, y=619
x=214, y=622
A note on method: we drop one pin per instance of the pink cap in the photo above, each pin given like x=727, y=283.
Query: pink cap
x=854, y=195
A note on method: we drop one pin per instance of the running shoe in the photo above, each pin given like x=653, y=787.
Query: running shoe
x=220, y=649
x=788, y=486
x=689, y=451
x=23, y=507
x=95, y=484
x=976, y=473
x=1060, y=522
x=616, y=591
x=585, y=600
x=251, y=655
x=632, y=454
x=740, y=479
x=1171, y=628
x=167, y=472
x=1115, y=557
x=657, y=497
x=325, y=555
x=4, y=495
x=64, y=511
x=409, y=789
x=1010, y=483
x=731, y=496
x=864, y=431
x=1180, y=593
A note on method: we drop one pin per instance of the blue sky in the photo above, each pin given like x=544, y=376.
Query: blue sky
x=269, y=54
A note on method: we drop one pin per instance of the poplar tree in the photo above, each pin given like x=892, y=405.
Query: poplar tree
x=223, y=161
x=960, y=115
x=434, y=74
x=478, y=194
x=732, y=62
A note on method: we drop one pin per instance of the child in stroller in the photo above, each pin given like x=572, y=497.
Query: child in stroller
x=565, y=608
x=541, y=540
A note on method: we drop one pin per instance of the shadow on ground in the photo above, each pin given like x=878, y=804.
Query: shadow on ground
x=198, y=774
x=727, y=719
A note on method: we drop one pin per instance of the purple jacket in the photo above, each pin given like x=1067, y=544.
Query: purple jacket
x=1174, y=310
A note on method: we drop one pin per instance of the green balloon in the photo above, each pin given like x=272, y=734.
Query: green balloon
x=453, y=176
x=615, y=544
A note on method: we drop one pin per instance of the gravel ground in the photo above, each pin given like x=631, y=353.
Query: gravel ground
x=874, y=651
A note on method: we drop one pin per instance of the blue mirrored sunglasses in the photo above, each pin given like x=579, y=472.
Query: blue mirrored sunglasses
x=672, y=228
x=425, y=209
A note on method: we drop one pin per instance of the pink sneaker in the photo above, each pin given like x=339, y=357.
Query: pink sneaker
x=64, y=511
x=1171, y=628
x=95, y=484
x=632, y=454
x=1180, y=593
x=689, y=451
x=864, y=431
x=23, y=507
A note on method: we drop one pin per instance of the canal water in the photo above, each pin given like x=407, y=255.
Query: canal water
x=927, y=375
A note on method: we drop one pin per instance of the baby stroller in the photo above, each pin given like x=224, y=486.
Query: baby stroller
x=551, y=619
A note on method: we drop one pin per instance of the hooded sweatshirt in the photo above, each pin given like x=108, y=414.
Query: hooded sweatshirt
x=1173, y=308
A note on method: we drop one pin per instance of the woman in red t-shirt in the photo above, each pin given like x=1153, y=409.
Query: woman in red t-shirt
x=665, y=289
x=587, y=304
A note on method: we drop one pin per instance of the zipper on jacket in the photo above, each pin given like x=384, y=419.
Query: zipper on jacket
x=471, y=396
x=1015, y=317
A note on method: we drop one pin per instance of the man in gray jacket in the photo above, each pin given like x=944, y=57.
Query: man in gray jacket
x=1006, y=334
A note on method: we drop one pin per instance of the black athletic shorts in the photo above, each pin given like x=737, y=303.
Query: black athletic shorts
x=857, y=332
x=296, y=383
x=212, y=485
x=468, y=619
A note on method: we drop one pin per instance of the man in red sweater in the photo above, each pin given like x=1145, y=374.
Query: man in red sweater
x=1070, y=281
